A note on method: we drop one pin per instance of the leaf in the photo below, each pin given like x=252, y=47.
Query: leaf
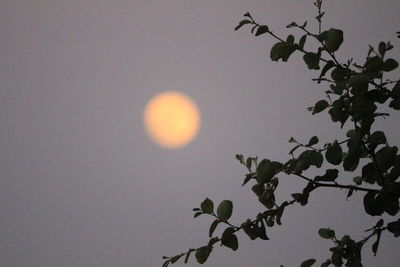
x=247, y=14
x=358, y=79
x=293, y=149
x=207, y=206
x=260, y=230
x=376, y=243
x=212, y=227
x=188, y=255
x=320, y=106
x=291, y=25
x=329, y=176
x=334, y=154
x=312, y=60
x=390, y=64
x=357, y=180
x=224, y=210
x=326, y=233
x=258, y=189
x=202, y=254
x=248, y=177
x=229, y=239
x=351, y=161
x=396, y=90
x=290, y=39
x=267, y=198
x=266, y=170
x=327, y=67
x=243, y=22
x=261, y=30
x=175, y=258
x=338, y=74
x=240, y=158
x=382, y=48
x=308, y=263
x=197, y=214
x=313, y=140
x=376, y=139
x=373, y=65
x=395, y=104
x=302, y=41
x=334, y=39
x=278, y=51
x=394, y=228
x=385, y=157
x=320, y=16
x=315, y=158
x=371, y=205
x=248, y=163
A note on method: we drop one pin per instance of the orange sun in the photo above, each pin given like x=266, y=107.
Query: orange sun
x=171, y=119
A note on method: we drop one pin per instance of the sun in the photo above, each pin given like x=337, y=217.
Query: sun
x=171, y=119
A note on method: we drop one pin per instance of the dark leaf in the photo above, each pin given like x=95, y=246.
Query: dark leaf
x=327, y=67
x=207, y=206
x=212, y=227
x=329, y=176
x=320, y=106
x=243, y=22
x=390, y=64
x=202, y=254
x=261, y=30
x=357, y=180
x=248, y=163
x=334, y=154
x=382, y=48
x=308, y=263
x=376, y=139
x=334, y=39
x=351, y=161
x=313, y=140
x=240, y=158
x=396, y=90
x=376, y=243
x=312, y=60
x=373, y=65
x=290, y=39
x=358, y=79
x=175, y=259
x=394, y=228
x=278, y=51
x=229, y=239
x=316, y=158
x=248, y=177
x=224, y=210
x=258, y=189
x=371, y=205
x=197, y=214
x=386, y=157
x=267, y=169
x=338, y=74
x=395, y=104
x=302, y=41
x=326, y=233
x=188, y=255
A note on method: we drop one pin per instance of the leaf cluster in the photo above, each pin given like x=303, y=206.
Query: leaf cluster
x=356, y=92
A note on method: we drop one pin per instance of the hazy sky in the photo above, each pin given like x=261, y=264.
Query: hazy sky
x=83, y=185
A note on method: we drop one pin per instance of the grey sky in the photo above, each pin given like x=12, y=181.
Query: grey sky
x=82, y=184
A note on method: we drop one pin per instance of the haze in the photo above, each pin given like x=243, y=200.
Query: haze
x=82, y=184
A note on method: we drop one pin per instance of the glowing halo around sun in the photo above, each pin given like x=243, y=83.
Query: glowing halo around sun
x=171, y=119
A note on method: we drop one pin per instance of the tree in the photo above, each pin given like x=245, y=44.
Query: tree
x=356, y=93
